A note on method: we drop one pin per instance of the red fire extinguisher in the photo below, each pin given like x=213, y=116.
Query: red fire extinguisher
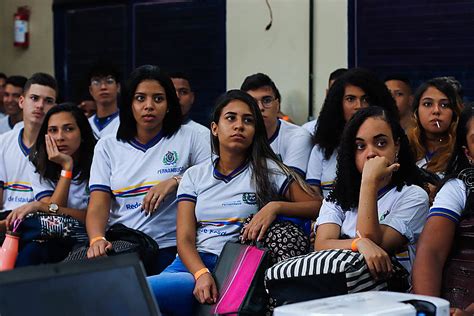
x=21, y=35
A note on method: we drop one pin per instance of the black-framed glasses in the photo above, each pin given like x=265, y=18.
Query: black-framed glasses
x=266, y=101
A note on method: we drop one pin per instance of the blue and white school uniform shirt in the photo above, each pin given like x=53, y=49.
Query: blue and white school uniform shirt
x=104, y=126
x=450, y=201
x=198, y=128
x=127, y=170
x=322, y=172
x=310, y=126
x=292, y=144
x=223, y=202
x=404, y=211
x=15, y=170
x=78, y=196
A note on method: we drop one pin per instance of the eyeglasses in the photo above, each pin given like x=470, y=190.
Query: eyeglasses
x=97, y=82
x=266, y=101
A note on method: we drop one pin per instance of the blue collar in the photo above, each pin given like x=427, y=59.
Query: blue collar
x=384, y=191
x=102, y=122
x=230, y=176
x=275, y=135
x=25, y=150
x=144, y=147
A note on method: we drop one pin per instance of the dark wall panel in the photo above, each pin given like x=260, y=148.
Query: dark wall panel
x=421, y=39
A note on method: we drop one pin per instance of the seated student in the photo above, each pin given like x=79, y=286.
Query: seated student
x=216, y=197
x=290, y=142
x=104, y=88
x=436, y=111
x=14, y=114
x=3, y=80
x=134, y=175
x=336, y=74
x=400, y=89
x=376, y=195
x=62, y=157
x=38, y=97
x=185, y=95
x=453, y=202
x=355, y=89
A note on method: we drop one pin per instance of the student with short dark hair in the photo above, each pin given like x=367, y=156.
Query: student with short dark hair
x=104, y=87
x=3, y=80
x=135, y=174
x=399, y=87
x=185, y=93
x=14, y=87
x=290, y=142
x=15, y=170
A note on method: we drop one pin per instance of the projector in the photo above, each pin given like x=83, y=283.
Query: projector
x=369, y=303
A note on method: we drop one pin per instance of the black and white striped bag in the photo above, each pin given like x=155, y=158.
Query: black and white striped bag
x=320, y=274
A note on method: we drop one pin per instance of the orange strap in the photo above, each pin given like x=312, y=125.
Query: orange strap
x=354, y=245
x=93, y=240
x=200, y=272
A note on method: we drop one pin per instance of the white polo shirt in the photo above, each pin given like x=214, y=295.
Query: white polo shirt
x=78, y=196
x=15, y=170
x=450, y=201
x=127, y=170
x=293, y=145
x=109, y=127
x=322, y=172
x=223, y=202
x=404, y=211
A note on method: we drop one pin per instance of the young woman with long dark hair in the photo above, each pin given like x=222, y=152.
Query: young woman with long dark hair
x=62, y=157
x=216, y=197
x=135, y=174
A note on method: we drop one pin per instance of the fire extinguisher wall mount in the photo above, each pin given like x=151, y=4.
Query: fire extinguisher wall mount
x=21, y=19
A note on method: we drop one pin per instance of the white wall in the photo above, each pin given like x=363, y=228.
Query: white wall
x=39, y=55
x=282, y=52
x=330, y=45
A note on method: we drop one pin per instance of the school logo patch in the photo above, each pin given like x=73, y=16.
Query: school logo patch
x=249, y=198
x=170, y=158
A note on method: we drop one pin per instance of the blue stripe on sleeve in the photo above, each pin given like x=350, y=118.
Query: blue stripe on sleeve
x=449, y=214
x=187, y=197
x=43, y=194
x=100, y=187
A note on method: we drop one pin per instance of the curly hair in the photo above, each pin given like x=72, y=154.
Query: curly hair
x=348, y=178
x=417, y=134
x=331, y=120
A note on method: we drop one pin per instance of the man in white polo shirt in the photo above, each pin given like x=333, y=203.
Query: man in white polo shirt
x=290, y=142
x=38, y=97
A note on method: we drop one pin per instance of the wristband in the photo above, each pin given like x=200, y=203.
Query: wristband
x=66, y=174
x=177, y=178
x=93, y=240
x=354, y=245
x=200, y=272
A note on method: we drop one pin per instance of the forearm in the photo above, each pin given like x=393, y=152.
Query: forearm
x=427, y=274
x=367, y=215
x=189, y=255
x=304, y=209
x=61, y=192
x=323, y=244
x=96, y=220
